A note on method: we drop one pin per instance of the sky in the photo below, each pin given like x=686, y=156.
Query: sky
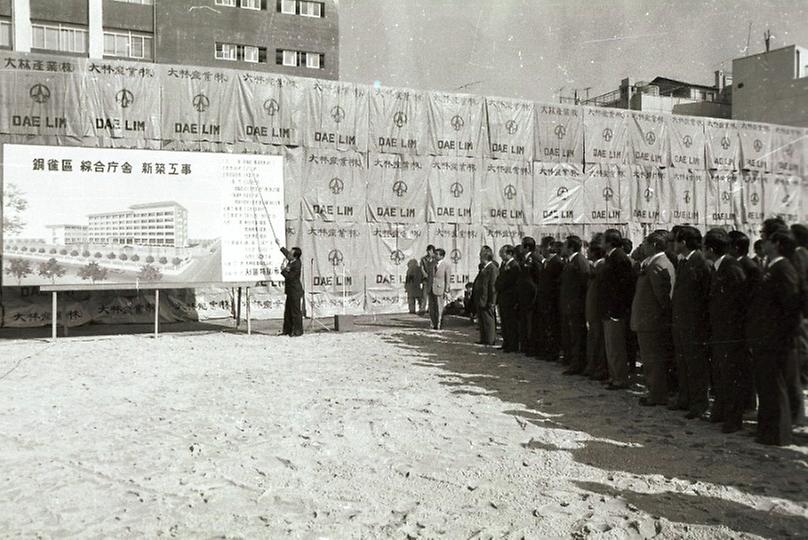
x=538, y=49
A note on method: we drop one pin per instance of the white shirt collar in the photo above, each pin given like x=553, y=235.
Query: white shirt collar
x=487, y=264
x=774, y=261
x=652, y=258
x=609, y=252
x=687, y=257
x=572, y=256
x=718, y=261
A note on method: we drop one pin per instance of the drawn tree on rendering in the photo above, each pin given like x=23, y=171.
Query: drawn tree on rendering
x=13, y=206
x=19, y=268
x=149, y=273
x=93, y=272
x=51, y=269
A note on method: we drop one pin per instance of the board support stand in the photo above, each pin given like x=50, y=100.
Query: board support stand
x=156, y=312
x=247, y=311
x=54, y=303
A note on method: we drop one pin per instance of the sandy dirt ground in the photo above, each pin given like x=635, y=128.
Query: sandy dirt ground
x=393, y=432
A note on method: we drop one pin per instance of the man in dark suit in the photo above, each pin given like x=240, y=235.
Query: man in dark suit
x=651, y=318
x=727, y=309
x=739, y=248
x=529, y=286
x=614, y=303
x=691, y=320
x=540, y=254
x=574, y=282
x=772, y=324
x=800, y=262
x=549, y=288
x=484, y=296
x=507, y=298
x=292, y=312
x=427, y=265
x=596, y=367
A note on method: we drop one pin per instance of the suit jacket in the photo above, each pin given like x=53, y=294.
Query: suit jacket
x=526, y=285
x=593, y=314
x=691, y=296
x=427, y=265
x=774, y=313
x=800, y=262
x=484, y=293
x=574, y=282
x=291, y=275
x=440, y=278
x=727, y=305
x=614, y=292
x=506, y=284
x=549, y=285
x=651, y=307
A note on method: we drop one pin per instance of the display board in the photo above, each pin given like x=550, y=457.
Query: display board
x=86, y=216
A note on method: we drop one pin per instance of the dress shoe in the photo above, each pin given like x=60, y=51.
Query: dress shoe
x=645, y=401
x=571, y=371
x=692, y=415
x=730, y=428
x=676, y=407
x=716, y=418
x=612, y=386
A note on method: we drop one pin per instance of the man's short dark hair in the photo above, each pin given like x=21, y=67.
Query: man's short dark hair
x=529, y=243
x=785, y=243
x=716, y=240
x=597, y=251
x=574, y=243
x=597, y=239
x=758, y=245
x=658, y=240
x=739, y=242
x=547, y=241
x=690, y=235
x=771, y=226
x=441, y=252
x=556, y=246
x=430, y=247
x=800, y=233
x=507, y=249
x=628, y=245
x=612, y=239
x=487, y=253
x=297, y=252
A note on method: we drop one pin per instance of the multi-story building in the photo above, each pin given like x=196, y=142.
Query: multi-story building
x=66, y=235
x=664, y=95
x=294, y=37
x=153, y=224
x=772, y=87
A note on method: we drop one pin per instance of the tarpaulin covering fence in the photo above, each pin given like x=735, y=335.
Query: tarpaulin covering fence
x=373, y=175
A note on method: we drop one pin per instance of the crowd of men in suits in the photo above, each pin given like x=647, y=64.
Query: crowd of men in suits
x=702, y=315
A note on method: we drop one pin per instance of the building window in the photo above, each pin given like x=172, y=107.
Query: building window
x=59, y=37
x=241, y=53
x=288, y=58
x=126, y=44
x=5, y=34
x=302, y=7
x=142, y=2
x=298, y=58
x=246, y=4
x=313, y=60
x=311, y=9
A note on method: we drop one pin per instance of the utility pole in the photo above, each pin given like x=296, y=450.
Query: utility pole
x=768, y=37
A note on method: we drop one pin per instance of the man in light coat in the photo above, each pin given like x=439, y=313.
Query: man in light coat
x=439, y=290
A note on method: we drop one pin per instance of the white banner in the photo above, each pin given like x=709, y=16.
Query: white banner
x=723, y=144
x=650, y=194
x=510, y=128
x=559, y=133
x=648, y=139
x=687, y=140
x=398, y=121
x=397, y=188
x=456, y=124
x=453, y=185
x=334, y=185
x=688, y=195
x=782, y=196
x=506, y=196
x=392, y=248
x=756, y=146
x=89, y=216
x=722, y=187
x=336, y=115
x=605, y=135
x=606, y=194
x=558, y=193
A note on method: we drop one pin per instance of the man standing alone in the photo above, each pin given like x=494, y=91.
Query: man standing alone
x=292, y=312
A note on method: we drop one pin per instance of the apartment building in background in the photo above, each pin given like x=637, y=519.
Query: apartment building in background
x=152, y=224
x=68, y=235
x=293, y=37
x=772, y=87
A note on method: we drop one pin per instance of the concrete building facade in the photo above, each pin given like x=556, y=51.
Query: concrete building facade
x=68, y=235
x=153, y=224
x=772, y=87
x=294, y=37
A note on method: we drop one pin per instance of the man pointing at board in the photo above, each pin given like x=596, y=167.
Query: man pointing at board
x=292, y=313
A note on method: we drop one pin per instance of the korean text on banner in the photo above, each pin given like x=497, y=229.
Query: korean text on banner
x=121, y=100
x=456, y=125
x=605, y=135
x=511, y=126
x=398, y=121
x=335, y=258
x=452, y=185
x=559, y=133
x=506, y=196
x=756, y=146
x=648, y=139
x=392, y=249
x=336, y=115
x=723, y=144
x=687, y=139
x=139, y=216
x=334, y=185
x=397, y=188
x=196, y=106
x=606, y=194
x=270, y=108
x=558, y=193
